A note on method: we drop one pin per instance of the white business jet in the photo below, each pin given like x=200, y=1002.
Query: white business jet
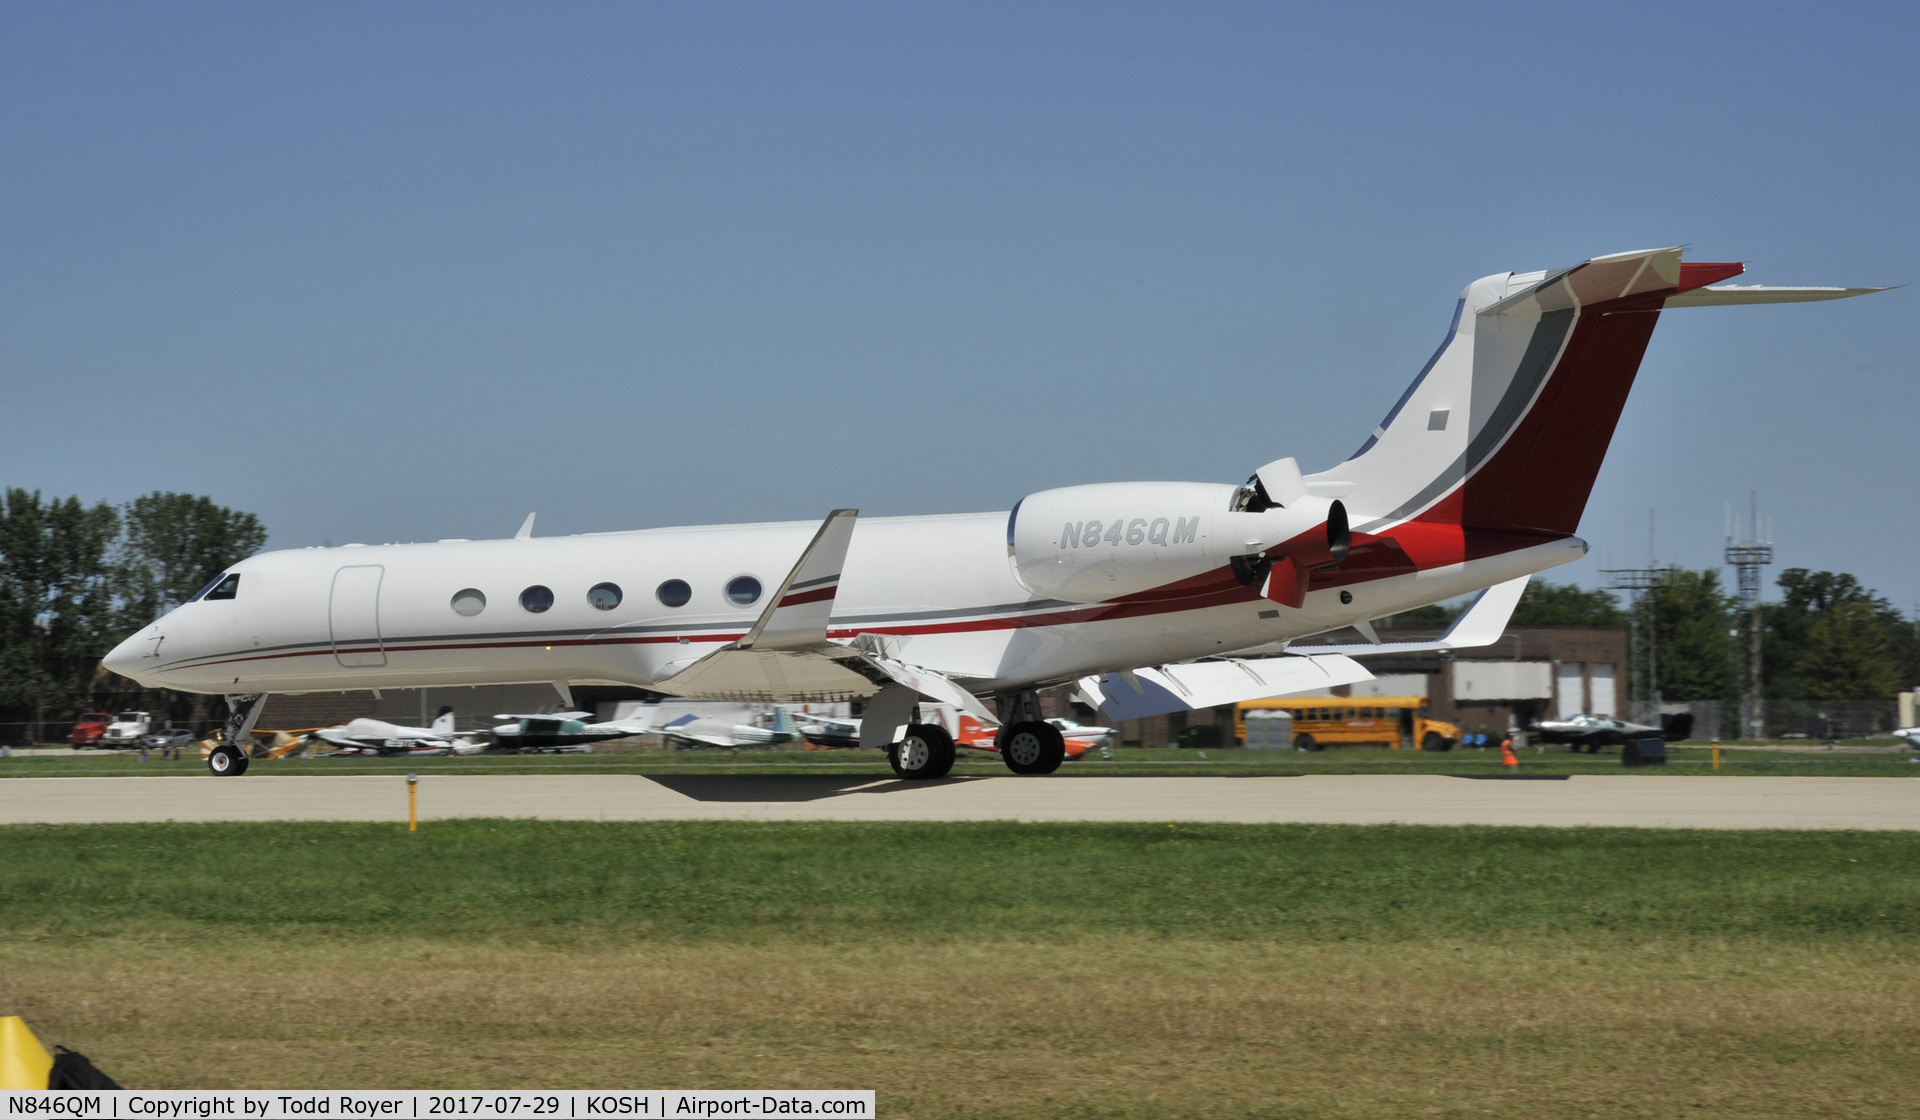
x=1137, y=591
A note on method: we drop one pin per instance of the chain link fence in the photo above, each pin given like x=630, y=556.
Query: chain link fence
x=1818, y=720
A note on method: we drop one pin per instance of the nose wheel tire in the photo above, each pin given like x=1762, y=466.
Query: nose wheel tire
x=925, y=754
x=226, y=761
x=1033, y=747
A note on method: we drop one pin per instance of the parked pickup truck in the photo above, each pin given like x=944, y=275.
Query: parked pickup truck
x=88, y=729
x=127, y=729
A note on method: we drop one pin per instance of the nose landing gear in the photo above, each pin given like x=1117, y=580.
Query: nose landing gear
x=229, y=759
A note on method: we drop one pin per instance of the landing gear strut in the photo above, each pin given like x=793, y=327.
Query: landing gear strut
x=229, y=759
x=1028, y=743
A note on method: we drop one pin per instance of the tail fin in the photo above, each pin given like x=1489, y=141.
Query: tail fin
x=443, y=723
x=783, y=722
x=1505, y=429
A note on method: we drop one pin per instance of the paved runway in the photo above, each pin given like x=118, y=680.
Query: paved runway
x=1641, y=801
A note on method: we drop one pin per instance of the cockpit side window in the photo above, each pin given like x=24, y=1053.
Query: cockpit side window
x=227, y=587
x=202, y=593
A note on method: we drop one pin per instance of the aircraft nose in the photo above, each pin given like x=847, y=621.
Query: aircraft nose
x=125, y=658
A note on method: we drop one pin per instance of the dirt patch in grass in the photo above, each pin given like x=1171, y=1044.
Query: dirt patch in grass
x=1098, y=1025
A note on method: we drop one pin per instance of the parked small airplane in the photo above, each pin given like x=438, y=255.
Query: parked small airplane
x=560, y=732
x=1080, y=738
x=1909, y=735
x=694, y=730
x=829, y=731
x=1476, y=479
x=378, y=737
x=1590, y=733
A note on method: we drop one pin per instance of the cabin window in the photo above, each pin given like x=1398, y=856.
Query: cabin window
x=674, y=593
x=743, y=590
x=227, y=588
x=536, y=599
x=604, y=596
x=469, y=602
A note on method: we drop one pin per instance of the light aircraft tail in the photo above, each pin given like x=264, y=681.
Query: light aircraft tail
x=1504, y=430
x=443, y=723
x=783, y=729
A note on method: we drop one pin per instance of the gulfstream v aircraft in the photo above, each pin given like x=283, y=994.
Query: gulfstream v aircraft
x=1138, y=591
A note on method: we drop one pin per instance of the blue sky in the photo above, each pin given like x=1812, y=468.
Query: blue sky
x=401, y=272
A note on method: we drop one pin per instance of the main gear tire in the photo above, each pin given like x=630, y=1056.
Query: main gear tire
x=1033, y=747
x=925, y=754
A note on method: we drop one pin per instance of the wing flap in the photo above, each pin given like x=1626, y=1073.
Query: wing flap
x=1192, y=685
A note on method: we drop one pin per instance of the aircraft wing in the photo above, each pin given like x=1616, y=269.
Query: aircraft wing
x=1208, y=684
x=1481, y=624
x=786, y=656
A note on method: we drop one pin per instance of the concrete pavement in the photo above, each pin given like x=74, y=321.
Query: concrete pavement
x=1641, y=801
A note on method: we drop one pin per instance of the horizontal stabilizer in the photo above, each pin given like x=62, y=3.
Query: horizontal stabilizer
x=1730, y=295
x=1193, y=685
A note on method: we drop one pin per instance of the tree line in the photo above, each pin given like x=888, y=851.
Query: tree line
x=1824, y=637
x=76, y=579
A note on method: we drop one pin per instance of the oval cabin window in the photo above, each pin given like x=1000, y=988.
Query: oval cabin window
x=536, y=599
x=743, y=590
x=469, y=602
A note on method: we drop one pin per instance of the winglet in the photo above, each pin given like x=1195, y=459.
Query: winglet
x=797, y=612
x=526, y=530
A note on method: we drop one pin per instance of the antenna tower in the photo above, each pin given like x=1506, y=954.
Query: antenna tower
x=1643, y=637
x=1746, y=557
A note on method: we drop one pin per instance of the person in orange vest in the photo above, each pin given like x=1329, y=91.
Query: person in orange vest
x=1507, y=757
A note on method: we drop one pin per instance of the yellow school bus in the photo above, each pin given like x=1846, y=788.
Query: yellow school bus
x=1396, y=721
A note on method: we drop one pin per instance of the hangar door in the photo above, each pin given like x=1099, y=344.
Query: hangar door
x=1502, y=680
x=354, y=616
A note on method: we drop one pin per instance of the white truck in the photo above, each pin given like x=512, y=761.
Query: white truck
x=126, y=730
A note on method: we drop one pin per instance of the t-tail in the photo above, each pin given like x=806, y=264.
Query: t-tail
x=1499, y=439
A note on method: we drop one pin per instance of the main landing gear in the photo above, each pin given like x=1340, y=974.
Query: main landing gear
x=925, y=754
x=1028, y=743
x=229, y=759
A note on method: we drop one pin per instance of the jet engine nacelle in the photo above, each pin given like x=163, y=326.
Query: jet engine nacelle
x=1089, y=544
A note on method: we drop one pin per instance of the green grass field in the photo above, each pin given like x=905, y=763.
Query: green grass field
x=990, y=970
x=1874, y=762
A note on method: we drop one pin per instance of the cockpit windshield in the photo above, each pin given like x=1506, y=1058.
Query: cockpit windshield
x=201, y=594
x=226, y=587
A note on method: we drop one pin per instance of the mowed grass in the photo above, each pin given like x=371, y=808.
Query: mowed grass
x=990, y=969
x=1877, y=761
